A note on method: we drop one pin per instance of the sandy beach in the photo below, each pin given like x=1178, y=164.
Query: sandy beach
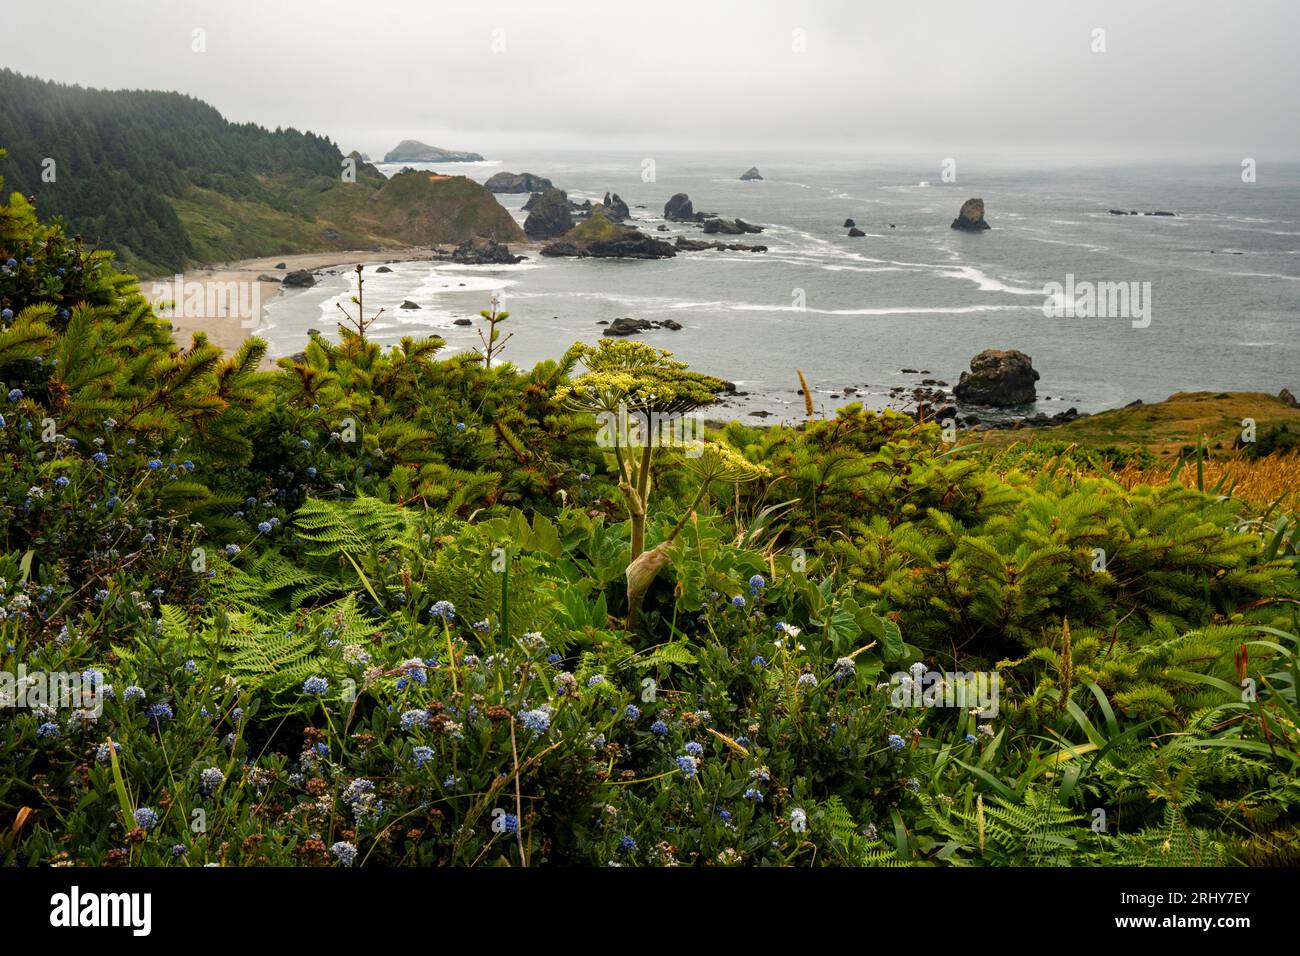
x=216, y=299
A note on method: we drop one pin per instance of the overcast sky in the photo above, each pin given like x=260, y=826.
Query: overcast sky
x=1191, y=79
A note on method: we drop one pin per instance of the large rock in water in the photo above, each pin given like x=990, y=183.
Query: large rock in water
x=729, y=227
x=750, y=174
x=550, y=216
x=971, y=217
x=300, y=278
x=679, y=209
x=480, y=252
x=518, y=183
x=998, y=378
x=601, y=239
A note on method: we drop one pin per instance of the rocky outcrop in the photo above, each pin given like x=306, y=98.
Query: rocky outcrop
x=849, y=223
x=550, y=215
x=463, y=322
x=612, y=208
x=1286, y=398
x=363, y=166
x=699, y=245
x=971, y=217
x=383, y=269
x=1134, y=212
x=413, y=151
x=517, y=183
x=300, y=279
x=856, y=233
x=729, y=227
x=408, y=304
x=267, y=278
x=750, y=174
x=482, y=252
x=601, y=239
x=633, y=326
x=679, y=209
x=998, y=378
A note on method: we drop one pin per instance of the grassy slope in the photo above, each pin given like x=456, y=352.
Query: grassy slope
x=411, y=209
x=1165, y=427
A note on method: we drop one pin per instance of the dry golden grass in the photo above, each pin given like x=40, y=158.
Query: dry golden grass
x=1261, y=481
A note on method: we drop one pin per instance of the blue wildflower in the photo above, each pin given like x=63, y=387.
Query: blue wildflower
x=970, y=738
x=535, y=720
x=632, y=712
x=695, y=749
x=412, y=718
x=15, y=394
x=159, y=712
x=757, y=583
x=738, y=601
x=755, y=795
x=759, y=661
x=687, y=765
x=460, y=426
x=443, y=609
x=133, y=693
x=264, y=527
x=153, y=464
x=627, y=844
x=146, y=817
x=47, y=729
x=315, y=685
x=61, y=481
x=897, y=742
x=660, y=728
x=421, y=756
x=595, y=679
x=509, y=823
x=345, y=852
x=209, y=780
x=99, y=458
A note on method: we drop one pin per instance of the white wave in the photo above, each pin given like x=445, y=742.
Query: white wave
x=1265, y=275
x=986, y=283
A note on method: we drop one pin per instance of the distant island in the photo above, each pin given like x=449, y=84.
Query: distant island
x=413, y=151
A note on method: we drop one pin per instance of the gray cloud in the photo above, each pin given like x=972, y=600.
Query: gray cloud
x=1179, y=78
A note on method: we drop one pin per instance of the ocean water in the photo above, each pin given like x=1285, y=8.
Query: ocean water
x=913, y=294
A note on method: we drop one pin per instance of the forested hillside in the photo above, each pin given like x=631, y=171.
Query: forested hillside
x=164, y=180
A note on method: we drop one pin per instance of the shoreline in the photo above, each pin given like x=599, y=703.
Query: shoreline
x=230, y=331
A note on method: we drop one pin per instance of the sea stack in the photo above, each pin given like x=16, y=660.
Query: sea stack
x=971, y=217
x=750, y=174
x=550, y=215
x=998, y=378
x=679, y=209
